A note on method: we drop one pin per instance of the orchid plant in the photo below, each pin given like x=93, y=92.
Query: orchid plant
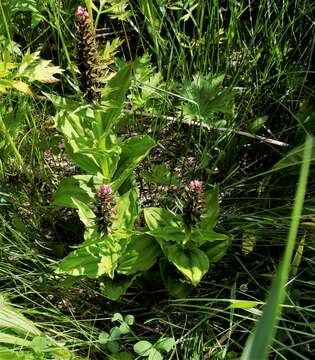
x=115, y=249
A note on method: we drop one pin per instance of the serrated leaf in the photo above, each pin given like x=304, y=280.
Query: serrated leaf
x=22, y=86
x=36, y=69
x=86, y=215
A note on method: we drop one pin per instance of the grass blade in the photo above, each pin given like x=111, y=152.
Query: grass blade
x=257, y=345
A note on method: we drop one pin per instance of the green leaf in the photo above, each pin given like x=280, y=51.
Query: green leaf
x=113, y=346
x=192, y=262
x=127, y=210
x=140, y=254
x=205, y=97
x=154, y=355
x=129, y=319
x=117, y=317
x=209, y=216
x=86, y=215
x=12, y=319
x=134, y=150
x=103, y=337
x=142, y=348
x=38, y=344
x=201, y=237
x=75, y=121
x=165, y=344
x=78, y=187
x=114, y=289
x=161, y=175
x=159, y=217
x=121, y=356
x=243, y=304
x=92, y=260
x=169, y=233
x=113, y=96
x=216, y=250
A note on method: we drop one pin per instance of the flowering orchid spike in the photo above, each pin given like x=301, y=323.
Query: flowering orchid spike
x=89, y=63
x=196, y=185
x=103, y=191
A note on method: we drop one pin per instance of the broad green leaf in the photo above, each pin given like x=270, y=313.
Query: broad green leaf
x=113, y=96
x=201, y=237
x=216, y=250
x=86, y=215
x=141, y=253
x=114, y=289
x=134, y=150
x=158, y=217
x=193, y=262
x=75, y=122
x=106, y=159
x=103, y=337
x=129, y=319
x=12, y=319
x=117, y=317
x=127, y=210
x=169, y=233
x=79, y=187
x=92, y=260
x=211, y=212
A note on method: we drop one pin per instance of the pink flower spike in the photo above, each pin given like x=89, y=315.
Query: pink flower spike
x=196, y=185
x=82, y=12
x=104, y=190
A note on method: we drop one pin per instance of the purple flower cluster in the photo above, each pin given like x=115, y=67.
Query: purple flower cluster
x=105, y=207
x=81, y=12
x=195, y=202
x=103, y=191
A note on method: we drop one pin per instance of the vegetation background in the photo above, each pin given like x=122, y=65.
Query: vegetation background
x=226, y=89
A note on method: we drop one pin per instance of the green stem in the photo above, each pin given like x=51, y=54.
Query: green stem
x=11, y=142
